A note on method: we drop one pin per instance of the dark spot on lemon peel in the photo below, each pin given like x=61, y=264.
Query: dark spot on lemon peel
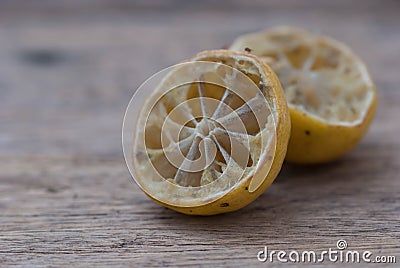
x=308, y=133
x=247, y=188
x=223, y=205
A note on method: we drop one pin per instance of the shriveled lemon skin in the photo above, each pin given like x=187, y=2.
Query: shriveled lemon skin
x=240, y=196
x=313, y=141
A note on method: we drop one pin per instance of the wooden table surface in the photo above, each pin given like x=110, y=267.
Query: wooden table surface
x=67, y=72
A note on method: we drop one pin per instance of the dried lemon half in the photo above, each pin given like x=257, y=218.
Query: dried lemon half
x=209, y=135
x=331, y=96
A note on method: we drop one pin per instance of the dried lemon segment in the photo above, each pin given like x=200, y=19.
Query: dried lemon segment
x=330, y=94
x=205, y=140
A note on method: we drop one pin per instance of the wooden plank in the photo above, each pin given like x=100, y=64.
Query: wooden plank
x=66, y=197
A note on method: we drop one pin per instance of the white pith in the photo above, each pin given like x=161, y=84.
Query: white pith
x=175, y=186
x=320, y=76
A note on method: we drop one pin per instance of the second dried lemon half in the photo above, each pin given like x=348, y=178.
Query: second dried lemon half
x=211, y=135
x=330, y=94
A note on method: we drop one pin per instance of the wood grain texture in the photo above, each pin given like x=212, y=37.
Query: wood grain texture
x=67, y=72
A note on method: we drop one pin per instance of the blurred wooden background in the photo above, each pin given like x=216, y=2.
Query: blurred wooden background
x=67, y=72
